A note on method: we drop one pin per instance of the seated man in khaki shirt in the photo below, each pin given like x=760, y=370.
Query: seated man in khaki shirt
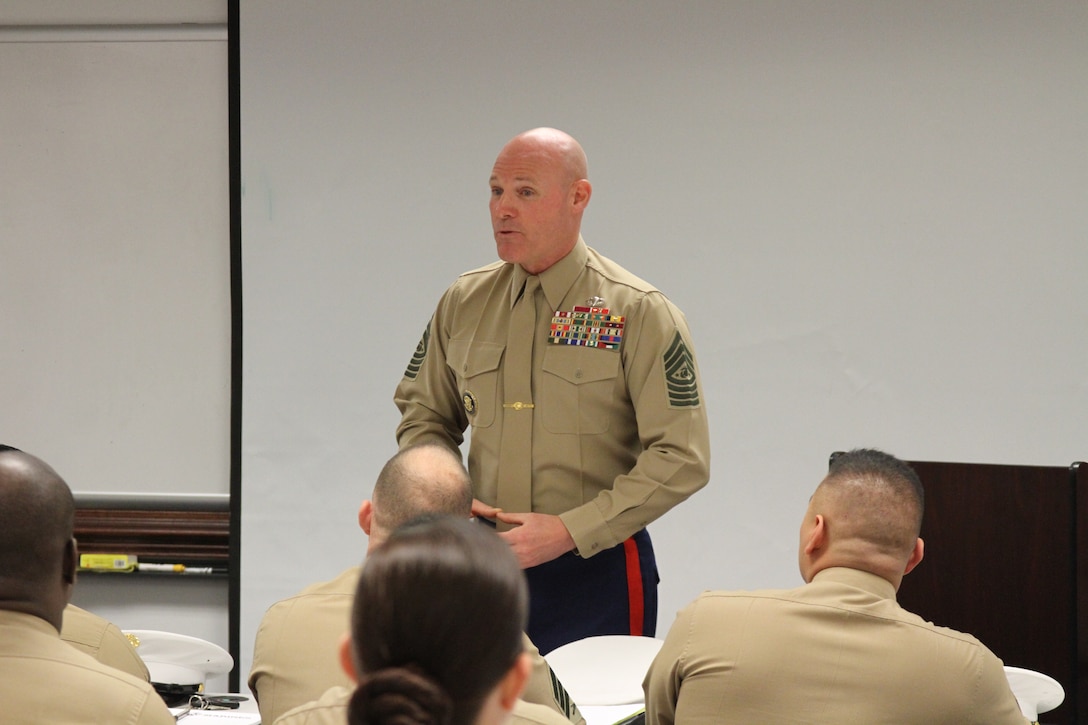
x=295, y=655
x=838, y=649
x=102, y=640
x=42, y=678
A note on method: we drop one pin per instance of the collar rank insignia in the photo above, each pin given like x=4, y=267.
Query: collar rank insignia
x=588, y=327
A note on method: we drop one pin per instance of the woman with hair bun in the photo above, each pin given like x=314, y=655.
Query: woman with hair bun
x=436, y=631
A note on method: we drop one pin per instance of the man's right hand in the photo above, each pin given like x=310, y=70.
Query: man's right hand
x=483, y=511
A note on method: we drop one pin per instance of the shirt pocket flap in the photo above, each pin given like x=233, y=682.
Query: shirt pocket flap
x=583, y=366
x=475, y=365
x=469, y=359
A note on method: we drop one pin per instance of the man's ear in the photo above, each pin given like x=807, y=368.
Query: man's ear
x=915, y=556
x=581, y=191
x=69, y=571
x=817, y=536
x=346, y=659
x=513, y=683
x=366, y=516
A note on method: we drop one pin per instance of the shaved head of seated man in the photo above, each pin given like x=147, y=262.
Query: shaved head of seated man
x=295, y=656
x=838, y=649
x=42, y=678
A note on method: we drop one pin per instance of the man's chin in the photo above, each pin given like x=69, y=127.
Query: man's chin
x=507, y=251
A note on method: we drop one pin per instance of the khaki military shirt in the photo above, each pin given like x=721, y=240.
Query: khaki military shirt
x=619, y=435
x=102, y=640
x=837, y=650
x=332, y=709
x=45, y=680
x=329, y=709
x=296, y=654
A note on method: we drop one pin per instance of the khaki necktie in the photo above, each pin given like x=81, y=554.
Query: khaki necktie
x=515, y=484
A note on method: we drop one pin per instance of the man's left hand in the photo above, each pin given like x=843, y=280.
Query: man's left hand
x=536, y=538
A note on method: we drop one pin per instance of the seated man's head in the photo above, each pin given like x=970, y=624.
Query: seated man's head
x=427, y=478
x=866, y=514
x=37, y=551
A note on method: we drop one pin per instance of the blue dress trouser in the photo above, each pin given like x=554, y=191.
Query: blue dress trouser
x=614, y=592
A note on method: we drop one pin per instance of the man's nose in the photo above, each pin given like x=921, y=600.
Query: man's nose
x=503, y=207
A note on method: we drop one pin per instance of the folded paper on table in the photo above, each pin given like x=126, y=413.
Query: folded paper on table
x=630, y=714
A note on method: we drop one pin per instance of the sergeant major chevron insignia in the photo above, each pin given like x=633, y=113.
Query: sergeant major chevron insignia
x=680, y=375
x=417, y=357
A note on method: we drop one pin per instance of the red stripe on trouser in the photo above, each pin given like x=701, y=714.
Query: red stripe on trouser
x=634, y=586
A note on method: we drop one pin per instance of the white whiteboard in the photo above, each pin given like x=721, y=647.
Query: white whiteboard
x=114, y=254
x=875, y=216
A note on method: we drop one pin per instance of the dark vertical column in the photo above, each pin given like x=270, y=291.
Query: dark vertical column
x=1078, y=699
x=234, y=114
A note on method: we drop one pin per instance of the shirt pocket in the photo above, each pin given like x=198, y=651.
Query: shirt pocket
x=577, y=391
x=475, y=365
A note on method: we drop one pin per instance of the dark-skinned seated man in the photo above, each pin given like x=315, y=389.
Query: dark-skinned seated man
x=42, y=678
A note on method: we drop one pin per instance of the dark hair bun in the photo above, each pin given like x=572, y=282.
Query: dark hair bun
x=399, y=696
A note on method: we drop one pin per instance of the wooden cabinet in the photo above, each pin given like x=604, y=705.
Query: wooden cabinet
x=1006, y=559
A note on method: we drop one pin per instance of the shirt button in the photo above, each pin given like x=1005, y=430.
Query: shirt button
x=578, y=373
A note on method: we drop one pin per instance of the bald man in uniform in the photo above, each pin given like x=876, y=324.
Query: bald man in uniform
x=296, y=652
x=42, y=678
x=580, y=384
x=838, y=649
